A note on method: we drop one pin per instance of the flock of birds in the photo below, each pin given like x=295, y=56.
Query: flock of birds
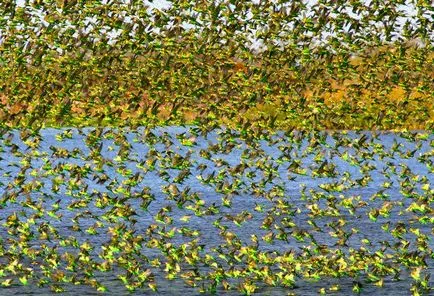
x=332, y=65
x=219, y=211
x=187, y=154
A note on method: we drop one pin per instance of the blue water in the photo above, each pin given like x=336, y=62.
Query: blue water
x=269, y=160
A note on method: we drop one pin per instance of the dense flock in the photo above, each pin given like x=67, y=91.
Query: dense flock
x=216, y=210
x=227, y=147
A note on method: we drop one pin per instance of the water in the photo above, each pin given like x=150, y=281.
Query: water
x=269, y=181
